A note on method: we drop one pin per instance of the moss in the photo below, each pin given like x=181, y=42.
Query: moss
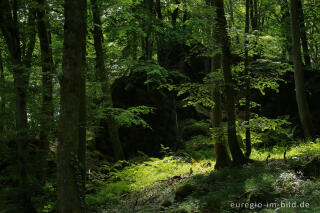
x=183, y=192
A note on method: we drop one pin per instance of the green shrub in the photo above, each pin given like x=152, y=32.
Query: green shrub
x=108, y=192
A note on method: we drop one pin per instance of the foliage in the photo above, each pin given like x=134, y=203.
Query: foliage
x=131, y=116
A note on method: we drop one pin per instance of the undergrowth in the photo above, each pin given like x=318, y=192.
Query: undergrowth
x=150, y=185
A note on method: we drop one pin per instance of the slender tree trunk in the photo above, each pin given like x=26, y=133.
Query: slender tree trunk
x=224, y=41
x=30, y=43
x=71, y=148
x=175, y=15
x=82, y=131
x=106, y=88
x=247, y=81
x=303, y=34
x=158, y=9
x=2, y=102
x=10, y=31
x=231, y=13
x=285, y=25
x=255, y=21
x=47, y=72
x=222, y=157
x=146, y=41
x=304, y=111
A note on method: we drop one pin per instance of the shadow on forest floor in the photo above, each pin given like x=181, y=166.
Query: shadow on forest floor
x=177, y=185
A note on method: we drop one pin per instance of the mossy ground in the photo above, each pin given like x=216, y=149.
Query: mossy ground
x=151, y=184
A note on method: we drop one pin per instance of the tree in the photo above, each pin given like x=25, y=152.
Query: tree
x=303, y=107
x=71, y=148
x=222, y=157
x=224, y=42
x=247, y=80
x=10, y=30
x=303, y=34
x=147, y=47
x=285, y=30
x=47, y=72
x=101, y=77
x=2, y=102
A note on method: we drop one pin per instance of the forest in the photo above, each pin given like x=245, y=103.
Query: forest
x=147, y=106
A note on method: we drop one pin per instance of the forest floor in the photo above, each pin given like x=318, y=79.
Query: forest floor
x=186, y=182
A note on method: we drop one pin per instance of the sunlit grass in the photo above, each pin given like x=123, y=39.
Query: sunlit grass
x=155, y=169
x=152, y=175
x=303, y=148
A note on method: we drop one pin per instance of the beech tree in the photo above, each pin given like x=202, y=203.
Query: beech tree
x=71, y=148
x=303, y=106
x=20, y=63
x=224, y=42
x=104, y=80
x=47, y=74
x=247, y=78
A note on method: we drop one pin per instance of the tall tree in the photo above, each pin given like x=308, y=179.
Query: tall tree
x=47, y=72
x=224, y=42
x=247, y=80
x=2, y=100
x=303, y=106
x=303, y=34
x=71, y=148
x=147, y=47
x=222, y=157
x=10, y=30
x=285, y=29
x=102, y=78
x=253, y=4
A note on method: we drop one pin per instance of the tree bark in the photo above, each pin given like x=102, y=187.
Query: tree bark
x=224, y=41
x=303, y=107
x=71, y=147
x=47, y=72
x=102, y=78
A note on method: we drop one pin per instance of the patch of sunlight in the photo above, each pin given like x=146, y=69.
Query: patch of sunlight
x=155, y=170
x=304, y=148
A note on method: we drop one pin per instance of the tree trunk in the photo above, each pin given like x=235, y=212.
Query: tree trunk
x=286, y=32
x=303, y=34
x=2, y=102
x=46, y=121
x=222, y=157
x=231, y=13
x=146, y=41
x=224, y=41
x=247, y=81
x=10, y=31
x=106, y=88
x=71, y=193
x=304, y=111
